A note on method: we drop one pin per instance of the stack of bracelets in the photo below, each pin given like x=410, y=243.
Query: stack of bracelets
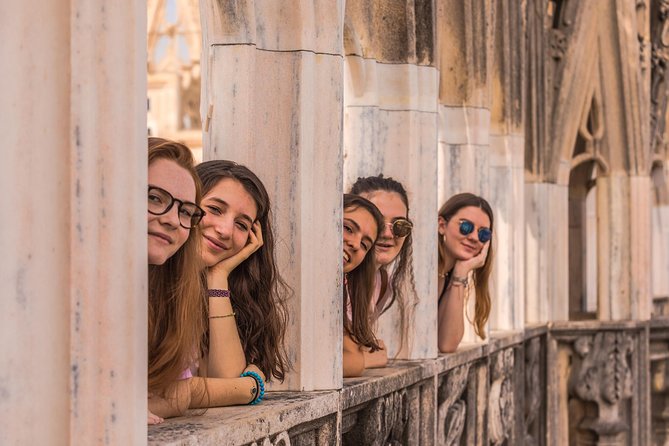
x=260, y=385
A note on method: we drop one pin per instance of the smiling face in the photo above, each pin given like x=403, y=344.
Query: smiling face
x=230, y=213
x=456, y=245
x=165, y=234
x=359, y=235
x=392, y=207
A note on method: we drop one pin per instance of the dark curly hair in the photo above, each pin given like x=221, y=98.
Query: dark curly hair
x=258, y=292
x=360, y=282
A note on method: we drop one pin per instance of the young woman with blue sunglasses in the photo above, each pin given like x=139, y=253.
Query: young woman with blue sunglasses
x=465, y=232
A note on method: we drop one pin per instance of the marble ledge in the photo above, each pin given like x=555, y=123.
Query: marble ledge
x=279, y=412
x=578, y=327
x=466, y=353
x=535, y=330
x=500, y=340
x=660, y=322
x=378, y=382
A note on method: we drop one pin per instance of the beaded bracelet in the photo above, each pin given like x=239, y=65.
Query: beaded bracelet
x=259, y=382
x=218, y=293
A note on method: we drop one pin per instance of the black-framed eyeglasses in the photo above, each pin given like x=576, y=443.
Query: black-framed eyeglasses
x=400, y=227
x=161, y=201
x=467, y=227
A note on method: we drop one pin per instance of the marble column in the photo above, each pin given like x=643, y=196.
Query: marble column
x=272, y=100
x=506, y=166
x=546, y=252
x=464, y=42
x=624, y=250
x=390, y=127
x=73, y=311
x=660, y=248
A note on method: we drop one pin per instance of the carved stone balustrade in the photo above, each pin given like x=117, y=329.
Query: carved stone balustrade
x=659, y=380
x=577, y=383
x=598, y=380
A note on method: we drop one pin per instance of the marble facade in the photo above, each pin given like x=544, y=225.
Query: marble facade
x=532, y=104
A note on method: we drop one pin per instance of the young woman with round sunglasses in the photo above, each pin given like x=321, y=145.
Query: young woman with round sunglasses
x=392, y=253
x=465, y=231
x=246, y=311
x=362, y=224
x=176, y=322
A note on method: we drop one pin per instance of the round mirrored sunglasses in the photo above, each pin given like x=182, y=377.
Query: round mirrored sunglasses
x=467, y=227
x=400, y=227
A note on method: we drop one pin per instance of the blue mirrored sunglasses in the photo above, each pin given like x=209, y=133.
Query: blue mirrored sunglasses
x=467, y=227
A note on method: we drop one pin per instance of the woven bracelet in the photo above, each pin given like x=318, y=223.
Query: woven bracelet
x=218, y=293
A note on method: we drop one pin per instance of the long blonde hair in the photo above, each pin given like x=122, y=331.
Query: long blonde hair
x=176, y=302
x=481, y=275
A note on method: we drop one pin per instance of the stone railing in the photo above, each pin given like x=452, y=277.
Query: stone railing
x=572, y=383
x=659, y=380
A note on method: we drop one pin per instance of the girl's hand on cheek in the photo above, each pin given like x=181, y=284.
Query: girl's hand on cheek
x=225, y=267
x=463, y=267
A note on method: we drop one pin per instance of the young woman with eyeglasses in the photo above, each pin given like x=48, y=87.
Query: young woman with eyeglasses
x=176, y=326
x=246, y=311
x=465, y=231
x=361, y=228
x=392, y=253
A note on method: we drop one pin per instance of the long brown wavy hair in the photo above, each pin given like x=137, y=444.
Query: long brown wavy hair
x=481, y=275
x=359, y=283
x=175, y=291
x=258, y=292
x=403, y=274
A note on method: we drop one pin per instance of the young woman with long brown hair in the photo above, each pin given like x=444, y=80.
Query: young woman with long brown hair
x=465, y=232
x=362, y=225
x=392, y=253
x=176, y=327
x=246, y=310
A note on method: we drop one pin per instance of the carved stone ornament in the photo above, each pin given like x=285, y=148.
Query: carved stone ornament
x=659, y=60
x=452, y=410
x=533, y=393
x=558, y=44
x=281, y=439
x=659, y=378
x=382, y=422
x=642, y=36
x=601, y=375
x=500, y=398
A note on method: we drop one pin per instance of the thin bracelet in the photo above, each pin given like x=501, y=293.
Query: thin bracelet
x=260, y=386
x=225, y=315
x=218, y=293
x=464, y=281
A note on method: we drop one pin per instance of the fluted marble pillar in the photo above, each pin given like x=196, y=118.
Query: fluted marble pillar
x=73, y=306
x=546, y=252
x=624, y=251
x=506, y=166
x=660, y=248
x=272, y=100
x=464, y=42
x=390, y=127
